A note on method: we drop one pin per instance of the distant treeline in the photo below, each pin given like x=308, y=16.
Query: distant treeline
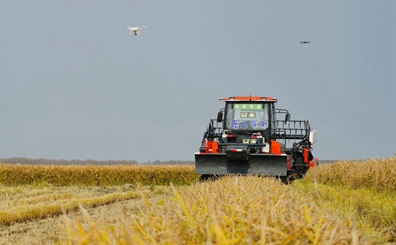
x=327, y=161
x=170, y=162
x=38, y=161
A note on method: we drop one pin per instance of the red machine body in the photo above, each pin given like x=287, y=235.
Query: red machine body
x=247, y=138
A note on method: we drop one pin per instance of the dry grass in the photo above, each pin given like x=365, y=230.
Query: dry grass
x=372, y=212
x=360, y=192
x=23, y=204
x=45, y=230
x=348, y=202
x=377, y=174
x=233, y=210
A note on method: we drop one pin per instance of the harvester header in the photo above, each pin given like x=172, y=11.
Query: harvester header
x=248, y=138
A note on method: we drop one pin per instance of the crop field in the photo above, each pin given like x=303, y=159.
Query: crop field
x=347, y=202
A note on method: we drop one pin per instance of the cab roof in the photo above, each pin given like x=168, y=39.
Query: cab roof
x=249, y=98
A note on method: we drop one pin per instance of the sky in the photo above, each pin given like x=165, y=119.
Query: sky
x=75, y=85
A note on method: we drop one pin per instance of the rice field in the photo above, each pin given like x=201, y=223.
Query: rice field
x=348, y=202
x=94, y=175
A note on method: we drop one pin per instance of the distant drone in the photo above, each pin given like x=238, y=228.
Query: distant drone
x=304, y=42
x=135, y=30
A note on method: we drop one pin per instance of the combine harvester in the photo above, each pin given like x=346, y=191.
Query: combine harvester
x=246, y=138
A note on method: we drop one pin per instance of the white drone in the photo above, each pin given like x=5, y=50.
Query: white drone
x=135, y=30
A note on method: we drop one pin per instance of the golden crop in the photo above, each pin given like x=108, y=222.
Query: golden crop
x=95, y=175
x=232, y=210
x=377, y=174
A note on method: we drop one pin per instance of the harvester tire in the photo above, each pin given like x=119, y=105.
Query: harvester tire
x=290, y=177
x=209, y=177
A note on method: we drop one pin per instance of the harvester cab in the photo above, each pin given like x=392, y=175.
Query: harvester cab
x=247, y=138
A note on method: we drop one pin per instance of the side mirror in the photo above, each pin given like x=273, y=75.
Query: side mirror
x=312, y=137
x=220, y=116
x=287, y=118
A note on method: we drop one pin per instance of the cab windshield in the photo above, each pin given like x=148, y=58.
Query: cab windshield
x=246, y=116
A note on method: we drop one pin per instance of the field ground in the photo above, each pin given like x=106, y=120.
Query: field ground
x=46, y=229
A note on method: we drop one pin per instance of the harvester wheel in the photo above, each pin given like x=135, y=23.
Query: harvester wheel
x=289, y=178
x=205, y=177
x=209, y=177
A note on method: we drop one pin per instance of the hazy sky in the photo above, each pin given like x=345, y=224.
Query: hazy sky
x=75, y=85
